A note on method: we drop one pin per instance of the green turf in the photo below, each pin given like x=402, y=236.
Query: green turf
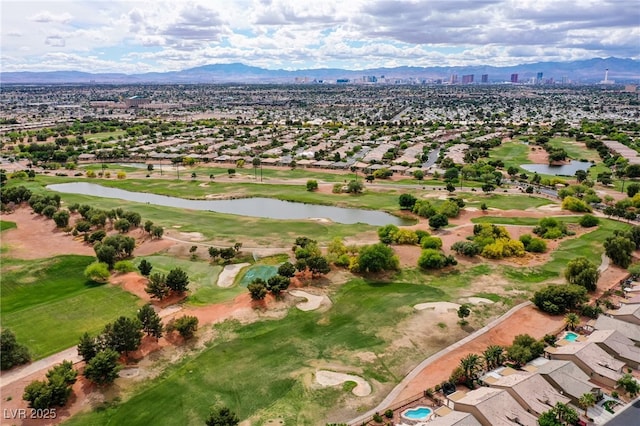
x=505, y=202
x=521, y=221
x=203, y=278
x=49, y=303
x=258, y=371
x=575, y=150
x=5, y=225
x=257, y=271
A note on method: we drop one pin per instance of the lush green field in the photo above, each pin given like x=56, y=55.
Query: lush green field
x=203, y=278
x=521, y=221
x=505, y=202
x=49, y=303
x=4, y=225
x=512, y=153
x=575, y=150
x=260, y=370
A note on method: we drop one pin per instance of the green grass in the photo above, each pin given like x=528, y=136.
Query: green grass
x=521, y=221
x=203, y=278
x=505, y=202
x=49, y=303
x=5, y=225
x=512, y=153
x=98, y=137
x=575, y=150
x=257, y=271
x=259, y=371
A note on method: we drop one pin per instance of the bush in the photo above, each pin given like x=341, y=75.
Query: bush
x=557, y=299
x=533, y=244
x=575, y=205
x=185, y=325
x=11, y=352
x=435, y=259
x=124, y=266
x=431, y=243
x=97, y=271
x=466, y=248
x=588, y=221
x=312, y=185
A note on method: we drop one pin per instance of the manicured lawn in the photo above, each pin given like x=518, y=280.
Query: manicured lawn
x=49, y=303
x=521, y=221
x=512, y=153
x=576, y=150
x=505, y=202
x=5, y=225
x=259, y=370
x=203, y=278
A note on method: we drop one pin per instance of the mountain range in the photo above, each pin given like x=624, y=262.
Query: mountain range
x=585, y=71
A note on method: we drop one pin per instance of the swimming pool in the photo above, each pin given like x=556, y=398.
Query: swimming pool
x=570, y=337
x=418, y=413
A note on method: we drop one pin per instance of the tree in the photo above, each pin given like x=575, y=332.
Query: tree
x=438, y=221
x=178, y=280
x=186, y=326
x=572, y=320
x=88, y=347
x=557, y=299
x=157, y=231
x=589, y=221
x=581, y=271
x=61, y=218
x=376, y=258
x=524, y=349
x=633, y=189
x=463, y=312
x=11, y=352
x=257, y=289
x=493, y=356
x=565, y=414
x=103, y=368
x=312, y=185
x=629, y=384
x=287, y=270
x=157, y=286
x=145, y=267
x=214, y=252
x=471, y=365
x=450, y=187
x=587, y=400
x=512, y=171
x=387, y=233
x=222, y=417
x=581, y=175
x=122, y=225
x=106, y=254
x=355, y=187
x=619, y=249
x=97, y=271
x=55, y=391
x=466, y=248
x=123, y=335
x=277, y=284
x=407, y=201
x=148, y=225
x=434, y=259
x=318, y=265
x=150, y=320
x=418, y=174
x=37, y=394
x=227, y=253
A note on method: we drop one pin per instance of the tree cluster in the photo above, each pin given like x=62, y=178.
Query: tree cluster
x=12, y=353
x=558, y=299
x=161, y=285
x=55, y=391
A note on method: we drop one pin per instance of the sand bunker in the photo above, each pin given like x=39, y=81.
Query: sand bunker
x=313, y=302
x=192, y=236
x=438, y=307
x=550, y=208
x=479, y=300
x=331, y=378
x=228, y=274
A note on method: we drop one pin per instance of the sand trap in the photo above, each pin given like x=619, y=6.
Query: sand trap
x=192, y=236
x=479, y=300
x=313, y=302
x=438, y=307
x=551, y=208
x=320, y=219
x=203, y=185
x=228, y=274
x=331, y=378
x=471, y=209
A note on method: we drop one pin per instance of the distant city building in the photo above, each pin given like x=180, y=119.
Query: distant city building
x=514, y=78
x=135, y=101
x=342, y=81
x=539, y=78
x=484, y=78
x=630, y=88
x=453, y=79
x=467, y=79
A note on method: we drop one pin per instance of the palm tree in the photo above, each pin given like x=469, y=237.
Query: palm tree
x=471, y=364
x=587, y=400
x=493, y=356
x=572, y=320
x=565, y=414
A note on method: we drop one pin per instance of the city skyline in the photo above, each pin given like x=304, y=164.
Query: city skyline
x=145, y=36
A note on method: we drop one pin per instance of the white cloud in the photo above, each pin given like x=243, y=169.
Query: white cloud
x=47, y=17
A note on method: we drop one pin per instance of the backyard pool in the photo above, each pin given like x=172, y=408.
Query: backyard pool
x=418, y=413
x=570, y=336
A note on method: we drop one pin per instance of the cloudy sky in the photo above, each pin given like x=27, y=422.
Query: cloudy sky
x=157, y=35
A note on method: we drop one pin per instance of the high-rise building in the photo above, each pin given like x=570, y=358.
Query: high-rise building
x=467, y=79
x=484, y=78
x=453, y=79
x=514, y=78
x=539, y=78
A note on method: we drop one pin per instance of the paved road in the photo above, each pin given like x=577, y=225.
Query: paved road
x=20, y=373
x=627, y=417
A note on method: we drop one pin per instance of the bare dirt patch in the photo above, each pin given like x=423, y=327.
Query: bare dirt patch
x=538, y=155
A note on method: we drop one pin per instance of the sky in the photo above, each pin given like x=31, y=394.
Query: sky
x=157, y=35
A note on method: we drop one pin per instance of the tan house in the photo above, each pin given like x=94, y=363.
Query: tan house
x=628, y=313
x=531, y=391
x=447, y=417
x=492, y=407
x=618, y=346
x=590, y=358
x=569, y=379
x=604, y=322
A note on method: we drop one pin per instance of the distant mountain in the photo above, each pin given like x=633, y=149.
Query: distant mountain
x=586, y=71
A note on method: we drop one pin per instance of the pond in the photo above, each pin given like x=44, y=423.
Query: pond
x=268, y=208
x=563, y=170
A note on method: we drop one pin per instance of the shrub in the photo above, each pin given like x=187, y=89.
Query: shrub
x=435, y=259
x=431, y=243
x=575, y=205
x=97, y=271
x=533, y=244
x=557, y=299
x=124, y=266
x=588, y=221
x=466, y=248
x=406, y=237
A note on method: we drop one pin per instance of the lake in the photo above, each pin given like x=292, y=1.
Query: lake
x=268, y=208
x=562, y=170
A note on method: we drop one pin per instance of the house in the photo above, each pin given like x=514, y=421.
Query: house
x=531, y=391
x=604, y=322
x=569, y=379
x=590, y=358
x=629, y=312
x=492, y=407
x=447, y=417
x=618, y=346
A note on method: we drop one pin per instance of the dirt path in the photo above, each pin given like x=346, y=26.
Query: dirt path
x=19, y=373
